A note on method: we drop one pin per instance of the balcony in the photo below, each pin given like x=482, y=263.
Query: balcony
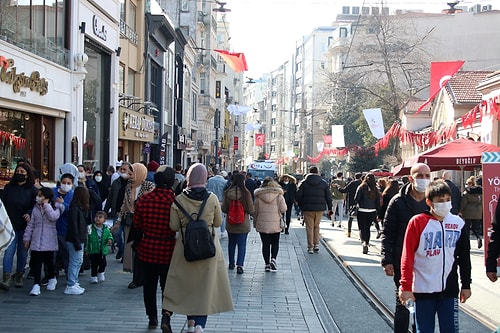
x=19, y=35
x=127, y=32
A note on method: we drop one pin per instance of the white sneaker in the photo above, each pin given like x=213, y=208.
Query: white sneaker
x=52, y=284
x=74, y=290
x=198, y=329
x=100, y=277
x=35, y=291
x=93, y=279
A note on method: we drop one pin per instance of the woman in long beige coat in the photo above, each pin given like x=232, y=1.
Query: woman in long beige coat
x=269, y=205
x=198, y=288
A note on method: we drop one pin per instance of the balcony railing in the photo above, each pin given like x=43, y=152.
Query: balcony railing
x=19, y=35
x=127, y=32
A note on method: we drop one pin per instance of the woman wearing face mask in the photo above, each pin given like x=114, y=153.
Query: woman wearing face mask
x=103, y=184
x=18, y=197
x=136, y=187
x=63, y=194
x=288, y=184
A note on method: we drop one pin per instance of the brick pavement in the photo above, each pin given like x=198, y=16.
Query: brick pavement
x=264, y=301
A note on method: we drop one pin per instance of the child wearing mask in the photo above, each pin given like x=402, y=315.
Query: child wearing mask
x=435, y=244
x=41, y=237
x=97, y=247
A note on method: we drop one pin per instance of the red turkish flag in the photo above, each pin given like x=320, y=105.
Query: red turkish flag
x=259, y=139
x=441, y=73
x=235, y=60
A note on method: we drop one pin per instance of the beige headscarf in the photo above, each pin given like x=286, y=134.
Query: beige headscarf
x=140, y=174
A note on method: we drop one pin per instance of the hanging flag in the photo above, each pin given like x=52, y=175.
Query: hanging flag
x=236, y=143
x=338, y=136
x=320, y=146
x=252, y=127
x=259, y=139
x=374, y=119
x=441, y=73
x=327, y=139
x=235, y=60
x=237, y=109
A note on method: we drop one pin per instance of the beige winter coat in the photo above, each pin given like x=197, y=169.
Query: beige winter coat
x=199, y=287
x=235, y=193
x=269, y=205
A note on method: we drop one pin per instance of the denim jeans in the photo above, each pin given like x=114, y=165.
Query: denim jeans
x=118, y=236
x=17, y=245
x=241, y=241
x=340, y=205
x=223, y=225
x=75, y=261
x=447, y=312
x=199, y=320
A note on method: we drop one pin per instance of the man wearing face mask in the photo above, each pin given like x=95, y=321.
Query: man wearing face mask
x=115, y=201
x=409, y=202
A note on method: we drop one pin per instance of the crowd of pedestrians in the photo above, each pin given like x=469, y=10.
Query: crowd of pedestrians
x=137, y=210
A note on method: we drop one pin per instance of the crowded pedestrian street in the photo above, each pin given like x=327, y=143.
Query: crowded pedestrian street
x=308, y=293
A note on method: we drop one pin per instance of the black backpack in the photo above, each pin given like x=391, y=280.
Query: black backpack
x=197, y=239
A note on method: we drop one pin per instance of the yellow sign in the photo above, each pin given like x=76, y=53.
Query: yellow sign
x=34, y=82
x=136, y=126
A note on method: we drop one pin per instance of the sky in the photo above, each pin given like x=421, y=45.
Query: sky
x=266, y=31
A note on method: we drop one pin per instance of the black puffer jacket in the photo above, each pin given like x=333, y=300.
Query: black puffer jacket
x=313, y=194
x=400, y=210
x=77, y=227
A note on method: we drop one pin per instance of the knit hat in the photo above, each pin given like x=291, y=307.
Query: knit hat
x=196, y=176
x=153, y=165
x=165, y=178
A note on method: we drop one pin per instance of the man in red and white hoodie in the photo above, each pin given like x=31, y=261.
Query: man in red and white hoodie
x=435, y=244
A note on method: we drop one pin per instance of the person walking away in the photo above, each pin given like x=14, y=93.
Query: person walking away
x=289, y=187
x=493, y=247
x=180, y=179
x=368, y=201
x=409, y=202
x=40, y=237
x=136, y=187
x=198, y=288
x=237, y=233
x=430, y=260
x=152, y=220
x=337, y=198
x=471, y=209
x=97, y=247
x=390, y=190
x=76, y=237
x=18, y=197
x=455, y=193
x=269, y=205
x=114, y=203
x=313, y=195
x=216, y=185
x=250, y=184
x=350, y=189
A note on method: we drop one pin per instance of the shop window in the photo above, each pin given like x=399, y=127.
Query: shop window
x=13, y=140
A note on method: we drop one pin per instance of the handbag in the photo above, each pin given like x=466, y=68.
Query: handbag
x=7, y=232
x=282, y=217
x=128, y=219
x=353, y=210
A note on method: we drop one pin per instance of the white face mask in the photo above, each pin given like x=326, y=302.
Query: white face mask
x=124, y=175
x=81, y=175
x=442, y=208
x=98, y=179
x=421, y=184
x=39, y=200
x=66, y=187
x=286, y=183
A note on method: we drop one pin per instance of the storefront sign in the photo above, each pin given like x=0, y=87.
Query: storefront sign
x=136, y=126
x=99, y=31
x=491, y=194
x=34, y=82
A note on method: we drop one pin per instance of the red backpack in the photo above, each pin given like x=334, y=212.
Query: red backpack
x=236, y=213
